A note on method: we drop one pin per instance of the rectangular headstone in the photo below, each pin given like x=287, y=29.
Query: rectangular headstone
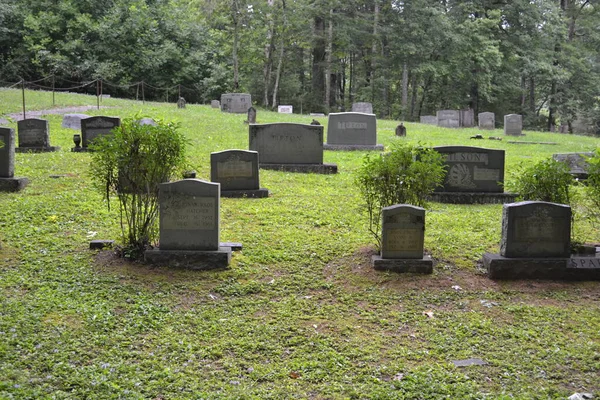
x=93, y=127
x=513, y=125
x=535, y=229
x=236, y=102
x=403, y=231
x=472, y=169
x=467, y=118
x=73, y=121
x=7, y=153
x=33, y=132
x=448, y=118
x=428, y=119
x=235, y=169
x=352, y=128
x=366, y=108
x=577, y=162
x=487, y=120
x=287, y=143
x=285, y=109
x=189, y=215
x=215, y=104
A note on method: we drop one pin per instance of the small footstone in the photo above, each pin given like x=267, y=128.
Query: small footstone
x=468, y=362
x=101, y=244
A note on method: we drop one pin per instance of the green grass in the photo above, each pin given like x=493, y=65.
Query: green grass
x=300, y=313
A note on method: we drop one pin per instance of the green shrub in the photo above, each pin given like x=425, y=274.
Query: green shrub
x=546, y=180
x=405, y=175
x=592, y=186
x=131, y=163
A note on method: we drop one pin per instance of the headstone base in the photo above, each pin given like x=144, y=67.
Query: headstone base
x=513, y=134
x=190, y=259
x=573, y=268
x=101, y=244
x=80, y=149
x=352, y=147
x=36, y=149
x=473, y=198
x=418, y=266
x=302, y=168
x=255, y=194
x=13, y=184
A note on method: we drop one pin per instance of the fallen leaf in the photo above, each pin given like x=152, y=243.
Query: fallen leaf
x=294, y=375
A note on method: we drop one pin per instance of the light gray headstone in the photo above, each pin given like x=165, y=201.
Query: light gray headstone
x=7, y=153
x=487, y=120
x=513, y=124
x=189, y=215
x=236, y=102
x=287, y=143
x=215, y=104
x=403, y=231
x=448, y=118
x=235, y=169
x=467, y=118
x=428, y=119
x=365, y=108
x=285, y=109
x=73, y=121
x=472, y=169
x=93, y=127
x=33, y=132
x=147, y=121
x=535, y=229
x=352, y=128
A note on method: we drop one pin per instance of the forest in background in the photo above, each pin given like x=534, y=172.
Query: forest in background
x=539, y=58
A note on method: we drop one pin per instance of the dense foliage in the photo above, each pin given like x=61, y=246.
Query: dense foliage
x=592, y=186
x=546, y=180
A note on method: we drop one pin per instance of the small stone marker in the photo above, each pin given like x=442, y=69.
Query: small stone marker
x=147, y=121
x=93, y=127
x=401, y=130
x=448, y=118
x=34, y=136
x=251, y=115
x=468, y=362
x=577, y=163
x=290, y=147
x=428, y=119
x=236, y=102
x=73, y=121
x=181, y=102
x=467, y=118
x=237, y=172
x=513, y=125
x=365, y=108
x=8, y=182
x=285, y=109
x=189, y=226
x=215, y=104
x=352, y=131
x=403, y=233
x=487, y=120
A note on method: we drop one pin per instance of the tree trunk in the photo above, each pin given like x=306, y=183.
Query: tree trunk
x=234, y=53
x=413, y=97
x=268, y=58
x=404, y=90
x=374, y=48
x=327, y=99
x=318, y=81
x=532, y=95
x=278, y=73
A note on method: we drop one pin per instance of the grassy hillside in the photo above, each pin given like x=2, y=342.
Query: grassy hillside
x=300, y=313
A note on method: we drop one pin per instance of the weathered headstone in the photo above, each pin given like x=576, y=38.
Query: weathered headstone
x=290, y=147
x=577, y=162
x=401, y=130
x=34, y=136
x=93, y=127
x=215, y=104
x=513, y=125
x=365, y=108
x=251, y=115
x=467, y=118
x=147, y=121
x=189, y=226
x=285, y=109
x=236, y=102
x=237, y=172
x=181, y=102
x=352, y=131
x=73, y=121
x=448, y=118
x=8, y=181
x=487, y=120
x=428, y=119
x=403, y=233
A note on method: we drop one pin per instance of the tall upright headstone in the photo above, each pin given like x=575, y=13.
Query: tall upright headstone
x=34, y=136
x=238, y=103
x=8, y=181
x=237, y=172
x=352, y=131
x=365, y=108
x=467, y=118
x=93, y=127
x=487, y=120
x=252, y=115
x=73, y=121
x=448, y=118
x=513, y=125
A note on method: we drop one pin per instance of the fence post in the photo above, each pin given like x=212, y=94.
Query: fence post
x=143, y=97
x=53, y=98
x=97, y=94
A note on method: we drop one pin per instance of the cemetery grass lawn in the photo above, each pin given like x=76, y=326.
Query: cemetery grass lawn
x=300, y=313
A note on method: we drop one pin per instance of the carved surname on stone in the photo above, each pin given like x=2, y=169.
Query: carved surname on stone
x=584, y=262
x=352, y=125
x=468, y=157
x=189, y=213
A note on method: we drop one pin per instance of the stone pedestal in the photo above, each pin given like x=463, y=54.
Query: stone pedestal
x=13, y=184
x=418, y=266
x=190, y=259
x=36, y=149
x=302, y=168
x=572, y=268
x=249, y=193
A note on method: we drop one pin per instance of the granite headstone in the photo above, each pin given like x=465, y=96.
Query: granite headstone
x=237, y=172
x=238, y=103
x=352, y=129
x=577, y=162
x=487, y=120
x=467, y=118
x=428, y=119
x=251, y=115
x=215, y=104
x=8, y=181
x=513, y=125
x=365, y=108
x=93, y=127
x=34, y=136
x=403, y=231
x=448, y=118
x=73, y=121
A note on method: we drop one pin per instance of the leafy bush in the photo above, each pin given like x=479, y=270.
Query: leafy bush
x=546, y=180
x=592, y=186
x=131, y=163
x=405, y=175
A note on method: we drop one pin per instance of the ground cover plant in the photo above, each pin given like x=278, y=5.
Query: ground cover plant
x=300, y=313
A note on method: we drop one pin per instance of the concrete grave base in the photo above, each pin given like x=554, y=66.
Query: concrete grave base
x=190, y=259
x=13, y=184
x=352, y=147
x=573, y=268
x=101, y=244
x=36, y=149
x=473, y=197
x=80, y=149
x=254, y=194
x=302, y=168
x=419, y=265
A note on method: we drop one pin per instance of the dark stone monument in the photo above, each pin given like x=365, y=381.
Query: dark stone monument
x=577, y=163
x=251, y=115
x=236, y=102
x=189, y=226
x=401, y=130
x=365, y=108
x=34, y=136
x=73, y=121
x=237, y=172
x=8, y=181
x=403, y=233
x=448, y=118
x=487, y=120
x=290, y=147
x=93, y=127
x=181, y=102
x=352, y=131
x=513, y=125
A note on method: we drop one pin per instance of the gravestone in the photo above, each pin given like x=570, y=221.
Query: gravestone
x=147, y=121
x=189, y=226
x=448, y=118
x=513, y=125
x=467, y=118
x=365, y=108
x=34, y=136
x=93, y=127
x=251, y=115
x=237, y=172
x=487, y=120
x=181, y=102
x=577, y=162
x=402, y=238
x=290, y=147
x=352, y=131
x=238, y=103
x=215, y=104
x=285, y=109
x=73, y=121
x=428, y=119
x=401, y=130
x=8, y=181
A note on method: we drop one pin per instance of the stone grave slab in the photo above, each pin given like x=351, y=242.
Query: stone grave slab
x=8, y=181
x=467, y=118
x=513, y=125
x=352, y=131
x=285, y=109
x=238, y=103
x=73, y=121
x=362, y=107
x=93, y=127
x=487, y=120
x=215, y=104
x=577, y=163
x=34, y=136
x=290, y=147
x=448, y=118
x=237, y=172
x=428, y=119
